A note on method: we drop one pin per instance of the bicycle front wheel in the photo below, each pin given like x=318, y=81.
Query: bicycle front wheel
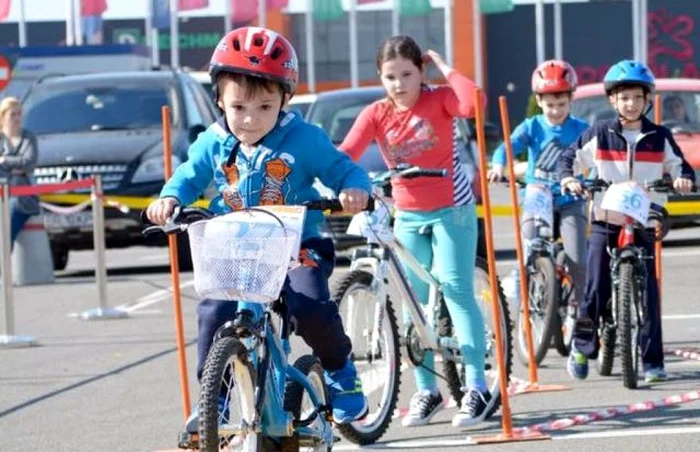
x=544, y=311
x=227, y=400
x=628, y=321
x=454, y=372
x=372, y=328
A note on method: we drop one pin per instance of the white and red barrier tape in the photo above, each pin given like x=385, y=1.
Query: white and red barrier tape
x=607, y=413
x=684, y=353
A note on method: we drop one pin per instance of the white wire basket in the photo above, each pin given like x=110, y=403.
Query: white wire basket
x=239, y=257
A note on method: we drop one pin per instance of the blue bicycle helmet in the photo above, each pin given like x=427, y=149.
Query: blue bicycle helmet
x=628, y=72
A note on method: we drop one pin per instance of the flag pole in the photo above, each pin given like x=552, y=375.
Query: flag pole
x=354, y=70
x=262, y=13
x=78, y=21
x=22, y=25
x=70, y=35
x=310, y=51
x=449, y=33
x=174, y=35
x=228, y=12
x=395, y=21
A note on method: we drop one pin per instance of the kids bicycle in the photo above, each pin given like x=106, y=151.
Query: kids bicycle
x=251, y=399
x=629, y=205
x=550, y=286
x=370, y=320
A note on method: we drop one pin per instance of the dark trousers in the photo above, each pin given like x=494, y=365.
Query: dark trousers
x=599, y=291
x=307, y=296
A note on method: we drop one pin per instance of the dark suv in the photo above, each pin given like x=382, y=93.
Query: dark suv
x=110, y=124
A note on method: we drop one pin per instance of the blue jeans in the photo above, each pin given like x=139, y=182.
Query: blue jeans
x=451, y=250
x=17, y=221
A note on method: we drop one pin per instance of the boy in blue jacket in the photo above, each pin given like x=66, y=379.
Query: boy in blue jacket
x=545, y=137
x=258, y=154
x=608, y=146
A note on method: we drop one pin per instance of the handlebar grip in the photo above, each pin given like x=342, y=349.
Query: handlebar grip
x=433, y=172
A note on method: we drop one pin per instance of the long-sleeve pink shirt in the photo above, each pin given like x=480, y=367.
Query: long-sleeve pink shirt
x=422, y=136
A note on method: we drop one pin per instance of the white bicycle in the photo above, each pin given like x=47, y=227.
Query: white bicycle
x=370, y=320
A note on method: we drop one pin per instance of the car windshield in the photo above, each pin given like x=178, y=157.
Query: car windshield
x=91, y=108
x=680, y=110
x=336, y=117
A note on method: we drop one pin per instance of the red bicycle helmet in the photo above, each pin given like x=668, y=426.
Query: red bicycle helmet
x=258, y=52
x=554, y=76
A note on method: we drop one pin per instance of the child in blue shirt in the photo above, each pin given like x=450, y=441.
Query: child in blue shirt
x=545, y=137
x=258, y=154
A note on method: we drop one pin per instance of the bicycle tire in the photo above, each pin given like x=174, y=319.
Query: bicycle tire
x=226, y=350
x=606, y=354
x=294, y=395
x=374, y=425
x=563, y=335
x=544, y=266
x=628, y=325
x=452, y=373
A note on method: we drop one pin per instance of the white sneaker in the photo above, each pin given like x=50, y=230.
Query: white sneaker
x=424, y=405
x=473, y=410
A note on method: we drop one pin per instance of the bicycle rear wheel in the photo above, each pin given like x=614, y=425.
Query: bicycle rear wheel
x=454, y=372
x=227, y=399
x=373, y=330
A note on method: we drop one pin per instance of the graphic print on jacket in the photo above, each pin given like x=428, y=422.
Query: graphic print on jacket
x=276, y=173
x=231, y=195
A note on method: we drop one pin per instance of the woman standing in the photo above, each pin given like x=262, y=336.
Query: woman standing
x=18, y=153
x=413, y=125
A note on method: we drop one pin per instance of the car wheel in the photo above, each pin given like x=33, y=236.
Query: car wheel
x=60, y=257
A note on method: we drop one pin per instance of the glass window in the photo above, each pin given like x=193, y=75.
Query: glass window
x=95, y=108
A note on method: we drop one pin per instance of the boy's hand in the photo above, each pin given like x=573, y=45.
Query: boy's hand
x=683, y=185
x=160, y=209
x=353, y=200
x=495, y=174
x=572, y=185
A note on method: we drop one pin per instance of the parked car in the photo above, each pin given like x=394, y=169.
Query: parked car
x=110, y=125
x=680, y=101
x=335, y=111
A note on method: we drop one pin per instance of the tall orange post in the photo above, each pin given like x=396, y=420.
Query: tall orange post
x=657, y=246
x=533, y=385
x=175, y=274
x=508, y=435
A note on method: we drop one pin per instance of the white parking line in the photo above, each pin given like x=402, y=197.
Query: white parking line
x=680, y=317
x=152, y=298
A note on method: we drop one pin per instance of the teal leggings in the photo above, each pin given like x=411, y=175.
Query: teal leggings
x=451, y=249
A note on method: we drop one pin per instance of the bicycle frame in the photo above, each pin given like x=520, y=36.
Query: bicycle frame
x=273, y=371
x=387, y=261
x=628, y=251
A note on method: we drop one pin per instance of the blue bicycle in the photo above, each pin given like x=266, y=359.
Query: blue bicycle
x=251, y=399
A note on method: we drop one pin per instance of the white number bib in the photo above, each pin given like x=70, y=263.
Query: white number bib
x=629, y=199
x=538, y=203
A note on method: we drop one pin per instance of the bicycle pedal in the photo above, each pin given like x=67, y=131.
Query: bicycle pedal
x=188, y=441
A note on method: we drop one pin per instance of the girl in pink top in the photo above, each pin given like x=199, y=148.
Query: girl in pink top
x=414, y=125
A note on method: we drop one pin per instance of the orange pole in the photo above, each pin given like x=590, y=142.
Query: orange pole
x=507, y=435
x=486, y=201
x=657, y=245
x=175, y=273
x=524, y=295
